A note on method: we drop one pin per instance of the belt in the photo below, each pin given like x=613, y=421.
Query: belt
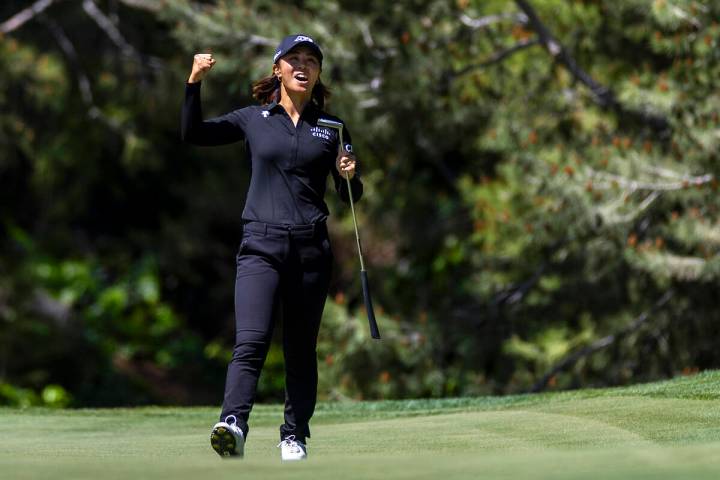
x=264, y=228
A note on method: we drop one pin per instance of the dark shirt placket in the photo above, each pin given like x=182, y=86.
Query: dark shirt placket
x=295, y=144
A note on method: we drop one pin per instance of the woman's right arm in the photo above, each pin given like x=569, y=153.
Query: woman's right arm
x=220, y=130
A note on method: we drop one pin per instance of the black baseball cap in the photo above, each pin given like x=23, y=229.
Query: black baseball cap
x=292, y=41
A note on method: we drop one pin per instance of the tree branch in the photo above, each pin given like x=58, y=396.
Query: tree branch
x=25, y=15
x=150, y=5
x=498, y=56
x=482, y=22
x=602, y=95
x=516, y=292
x=84, y=85
x=116, y=37
x=109, y=28
x=610, y=180
x=611, y=216
x=601, y=343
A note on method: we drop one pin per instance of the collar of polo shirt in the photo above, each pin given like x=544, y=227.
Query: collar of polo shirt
x=271, y=106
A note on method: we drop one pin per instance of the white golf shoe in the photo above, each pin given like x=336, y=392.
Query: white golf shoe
x=227, y=438
x=291, y=449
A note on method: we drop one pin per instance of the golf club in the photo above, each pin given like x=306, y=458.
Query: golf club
x=374, y=332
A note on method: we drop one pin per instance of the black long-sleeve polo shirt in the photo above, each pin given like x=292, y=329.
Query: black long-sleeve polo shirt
x=289, y=164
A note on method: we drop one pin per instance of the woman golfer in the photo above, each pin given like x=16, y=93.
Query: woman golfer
x=284, y=260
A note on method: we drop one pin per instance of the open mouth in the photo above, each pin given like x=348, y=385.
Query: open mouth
x=301, y=77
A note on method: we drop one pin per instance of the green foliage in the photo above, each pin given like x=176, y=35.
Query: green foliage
x=512, y=216
x=53, y=396
x=108, y=319
x=594, y=197
x=16, y=396
x=353, y=365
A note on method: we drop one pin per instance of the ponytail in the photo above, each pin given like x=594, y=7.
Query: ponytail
x=267, y=90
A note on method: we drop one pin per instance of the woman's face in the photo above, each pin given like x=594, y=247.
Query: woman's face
x=298, y=70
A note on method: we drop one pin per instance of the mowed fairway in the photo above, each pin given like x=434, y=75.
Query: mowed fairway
x=660, y=430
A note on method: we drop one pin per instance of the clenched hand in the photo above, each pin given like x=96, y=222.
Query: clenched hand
x=202, y=63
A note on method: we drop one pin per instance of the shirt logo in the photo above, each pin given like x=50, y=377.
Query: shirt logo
x=321, y=132
x=303, y=38
x=265, y=114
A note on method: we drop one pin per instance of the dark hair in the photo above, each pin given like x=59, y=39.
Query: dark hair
x=267, y=90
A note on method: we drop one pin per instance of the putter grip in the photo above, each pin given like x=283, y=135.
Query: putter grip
x=374, y=332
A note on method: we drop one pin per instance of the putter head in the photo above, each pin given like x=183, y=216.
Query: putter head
x=326, y=122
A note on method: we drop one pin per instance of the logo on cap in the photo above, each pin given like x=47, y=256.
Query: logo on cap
x=291, y=41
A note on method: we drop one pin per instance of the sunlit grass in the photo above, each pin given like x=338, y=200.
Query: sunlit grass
x=660, y=430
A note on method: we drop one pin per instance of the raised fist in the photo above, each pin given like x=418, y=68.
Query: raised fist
x=202, y=63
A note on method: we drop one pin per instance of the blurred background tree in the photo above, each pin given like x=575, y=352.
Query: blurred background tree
x=540, y=207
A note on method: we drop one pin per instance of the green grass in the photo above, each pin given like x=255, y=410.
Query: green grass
x=654, y=431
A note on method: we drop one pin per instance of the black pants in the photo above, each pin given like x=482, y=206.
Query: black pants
x=286, y=267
